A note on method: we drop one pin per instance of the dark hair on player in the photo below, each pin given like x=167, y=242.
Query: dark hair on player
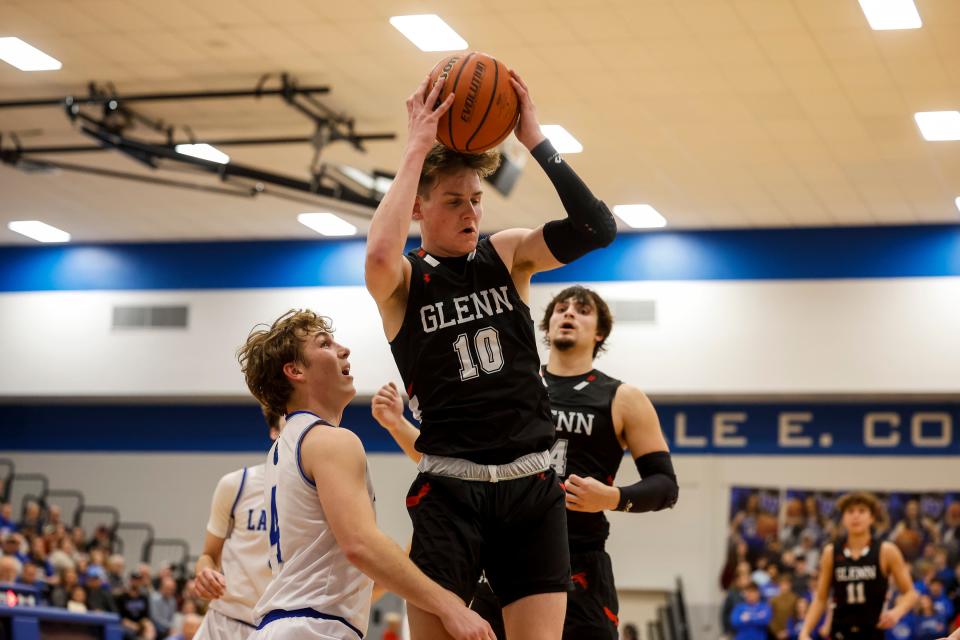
x=266, y=351
x=585, y=296
x=867, y=500
x=440, y=160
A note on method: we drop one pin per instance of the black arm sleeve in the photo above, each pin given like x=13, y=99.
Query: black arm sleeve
x=589, y=224
x=657, y=488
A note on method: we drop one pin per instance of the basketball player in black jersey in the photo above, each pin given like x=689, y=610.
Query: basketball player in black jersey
x=597, y=417
x=455, y=312
x=857, y=568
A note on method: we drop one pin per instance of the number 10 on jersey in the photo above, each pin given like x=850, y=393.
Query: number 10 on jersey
x=489, y=354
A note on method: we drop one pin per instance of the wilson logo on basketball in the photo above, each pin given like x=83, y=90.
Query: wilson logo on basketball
x=475, y=82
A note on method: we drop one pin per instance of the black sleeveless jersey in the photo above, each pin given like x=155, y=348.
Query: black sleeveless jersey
x=859, y=586
x=587, y=444
x=467, y=352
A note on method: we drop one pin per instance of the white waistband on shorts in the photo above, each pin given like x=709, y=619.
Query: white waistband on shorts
x=522, y=467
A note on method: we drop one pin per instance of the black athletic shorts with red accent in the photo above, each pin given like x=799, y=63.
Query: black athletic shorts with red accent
x=592, y=605
x=514, y=530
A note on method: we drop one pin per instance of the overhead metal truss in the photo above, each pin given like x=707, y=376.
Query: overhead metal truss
x=106, y=116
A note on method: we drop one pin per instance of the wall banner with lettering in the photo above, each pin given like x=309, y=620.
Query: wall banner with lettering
x=812, y=429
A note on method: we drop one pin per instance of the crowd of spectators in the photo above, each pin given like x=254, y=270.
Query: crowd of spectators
x=80, y=572
x=773, y=560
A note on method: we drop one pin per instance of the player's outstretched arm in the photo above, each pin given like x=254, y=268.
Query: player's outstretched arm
x=387, y=409
x=335, y=460
x=589, y=224
x=815, y=612
x=384, y=268
x=210, y=583
x=657, y=488
x=893, y=564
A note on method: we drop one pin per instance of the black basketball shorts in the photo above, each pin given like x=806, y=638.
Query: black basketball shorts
x=514, y=530
x=592, y=605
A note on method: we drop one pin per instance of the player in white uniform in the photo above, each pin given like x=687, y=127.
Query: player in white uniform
x=233, y=570
x=324, y=542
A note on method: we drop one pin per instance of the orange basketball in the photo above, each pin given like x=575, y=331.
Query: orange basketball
x=485, y=109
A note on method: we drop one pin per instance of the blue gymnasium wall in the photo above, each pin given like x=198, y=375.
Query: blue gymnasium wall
x=817, y=429
x=762, y=254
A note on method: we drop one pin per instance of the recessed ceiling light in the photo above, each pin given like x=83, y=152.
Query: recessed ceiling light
x=39, y=231
x=563, y=141
x=957, y=202
x=884, y=15
x=204, y=152
x=429, y=32
x=327, y=224
x=640, y=216
x=939, y=125
x=26, y=57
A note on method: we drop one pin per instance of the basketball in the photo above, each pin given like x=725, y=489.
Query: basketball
x=485, y=109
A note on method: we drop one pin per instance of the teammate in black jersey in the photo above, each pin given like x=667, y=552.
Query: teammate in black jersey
x=596, y=418
x=455, y=313
x=857, y=568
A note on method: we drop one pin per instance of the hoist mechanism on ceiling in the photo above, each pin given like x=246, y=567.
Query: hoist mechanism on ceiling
x=106, y=116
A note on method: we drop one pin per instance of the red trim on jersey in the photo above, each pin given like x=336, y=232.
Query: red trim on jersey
x=580, y=578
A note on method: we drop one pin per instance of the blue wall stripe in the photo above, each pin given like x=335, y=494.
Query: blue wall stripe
x=754, y=254
x=753, y=428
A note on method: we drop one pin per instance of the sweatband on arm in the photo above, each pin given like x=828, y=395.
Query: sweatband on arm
x=657, y=488
x=589, y=224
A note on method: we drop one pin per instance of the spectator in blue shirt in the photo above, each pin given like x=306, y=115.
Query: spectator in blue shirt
x=7, y=525
x=927, y=624
x=942, y=605
x=751, y=617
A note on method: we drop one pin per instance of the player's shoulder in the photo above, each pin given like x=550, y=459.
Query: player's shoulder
x=232, y=478
x=889, y=550
x=629, y=395
x=331, y=441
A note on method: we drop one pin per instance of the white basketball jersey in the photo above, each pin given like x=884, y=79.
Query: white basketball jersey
x=310, y=571
x=246, y=550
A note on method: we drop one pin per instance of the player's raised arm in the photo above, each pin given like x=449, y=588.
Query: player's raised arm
x=334, y=458
x=892, y=561
x=820, y=598
x=387, y=410
x=391, y=222
x=589, y=224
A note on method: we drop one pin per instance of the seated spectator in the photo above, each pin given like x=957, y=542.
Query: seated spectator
x=9, y=569
x=163, y=606
x=79, y=538
x=751, y=617
x=13, y=546
x=760, y=575
x=38, y=556
x=191, y=624
x=54, y=520
x=78, y=600
x=186, y=608
x=116, y=568
x=782, y=607
x=941, y=564
x=102, y=540
x=733, y=598
x=914, y=531
x=62, y=593
x=29, y=577
x=927, y=624
x=133, y=606
x=950, y=531
x=942, y=605
x=808, y=549
x=32, y=521
x=771, y=588
x=795, y=622
x=7, y=525
x=99, y=597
